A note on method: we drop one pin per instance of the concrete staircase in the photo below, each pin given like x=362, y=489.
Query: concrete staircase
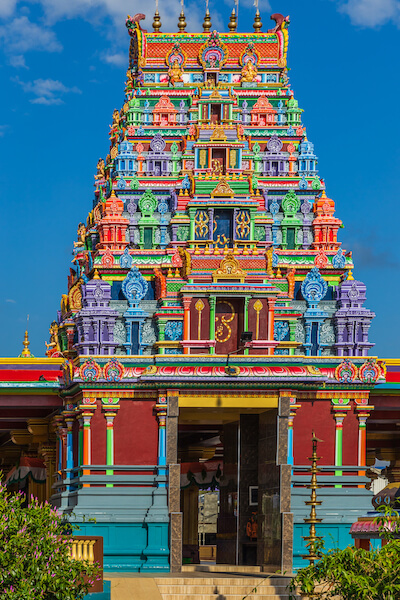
x=223, y=586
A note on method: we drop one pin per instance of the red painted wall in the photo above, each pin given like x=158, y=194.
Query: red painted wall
x=314, y=415
x=98, y=435
x=350, y=438
x=135, y=433
x=317, y=415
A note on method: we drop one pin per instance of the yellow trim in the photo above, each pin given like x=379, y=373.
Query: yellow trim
x=391, y=361
x=31, y=361
x=228, y=401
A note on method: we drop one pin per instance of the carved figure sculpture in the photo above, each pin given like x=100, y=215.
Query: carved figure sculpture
x=249, y=72
x=54, y=345
x=280, y=20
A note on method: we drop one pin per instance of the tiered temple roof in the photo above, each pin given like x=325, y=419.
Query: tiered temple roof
x=209, y=216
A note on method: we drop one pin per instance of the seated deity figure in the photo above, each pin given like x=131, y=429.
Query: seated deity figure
x=249, y=72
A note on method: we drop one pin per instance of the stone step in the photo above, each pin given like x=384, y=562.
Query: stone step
x=257, y=596
x=222, y=581
x=221, y=568
x=221, y=589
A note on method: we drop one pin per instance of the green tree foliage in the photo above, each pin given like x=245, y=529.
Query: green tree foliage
x=353, y=574
x=34, y=553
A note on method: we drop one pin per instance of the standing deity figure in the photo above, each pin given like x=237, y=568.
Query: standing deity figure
x=100, y=169
x=291, y=282
x=114, y=128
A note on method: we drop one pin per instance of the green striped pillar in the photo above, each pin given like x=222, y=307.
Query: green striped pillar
x=246, y=318
x=339, y=417
x=110, y=416
x=213, y=302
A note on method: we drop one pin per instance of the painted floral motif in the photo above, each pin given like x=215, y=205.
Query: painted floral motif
x=90, y=370
x=113, y=370
x=346, y=372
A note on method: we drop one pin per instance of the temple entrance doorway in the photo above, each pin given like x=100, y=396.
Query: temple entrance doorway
x=219, y=454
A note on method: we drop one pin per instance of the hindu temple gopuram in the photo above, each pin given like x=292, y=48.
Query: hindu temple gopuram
x=211, y=319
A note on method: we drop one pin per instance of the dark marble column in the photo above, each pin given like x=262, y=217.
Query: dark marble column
x=275, y=521
x=248, y=479
x=174, y=485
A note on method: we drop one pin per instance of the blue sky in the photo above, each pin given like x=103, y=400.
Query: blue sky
x=62, y=71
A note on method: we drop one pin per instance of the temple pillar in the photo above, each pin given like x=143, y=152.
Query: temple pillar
x=293, y=410
x=213, y=302
x=174, y=482
x=271, y=317
x=363, y=411
x=339, y=413
x=161, y=411
x=110, y=408
x=69, y=418
x=186, y=322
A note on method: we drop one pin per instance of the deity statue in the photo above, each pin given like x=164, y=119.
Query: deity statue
x=54, y=345
x=291, y=282
x=269, y=253
x=81, y=236
x=249, y=71
x=129, y=81
x=100, y=169
x=114, y=128
x=175, y=72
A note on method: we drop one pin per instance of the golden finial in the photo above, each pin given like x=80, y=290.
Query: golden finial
x=96, y=274
x=257, y=22
x=232, y=22
x=26, y=353
x=207, y=22
x=182, y=22
x=112, y=194
x=350, y=276
x=157, y=22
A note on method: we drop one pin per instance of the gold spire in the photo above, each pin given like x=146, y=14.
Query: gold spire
x=157, y=22
x=182, y=22
x=232, y=22
x=312, y=520
x=26, y=353
x=207, y=22
x=96, y=274
x=257, y=22
x=350, y=276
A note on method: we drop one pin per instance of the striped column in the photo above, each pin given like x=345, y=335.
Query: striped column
x=110, y=416
x=339, y=418
x=186, y=322
x=292, y=414
x=110, y=408
x=161, y=411
x=363, y=412
x=69, y=419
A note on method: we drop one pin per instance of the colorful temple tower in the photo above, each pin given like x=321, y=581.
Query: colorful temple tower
x=211, y=319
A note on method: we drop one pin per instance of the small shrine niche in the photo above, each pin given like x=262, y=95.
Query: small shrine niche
x=275, y=161
x=157, y=159
x=263, y=113
x=164, y=112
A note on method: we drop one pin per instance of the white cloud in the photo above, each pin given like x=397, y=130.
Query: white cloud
x=372, y=13
x=11, y=301
x=119, y=59
x=7, y=7
x=18, y=61
x=47, y=91
x=21, y=35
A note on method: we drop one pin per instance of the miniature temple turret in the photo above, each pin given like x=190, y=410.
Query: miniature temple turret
x=352, y=319
x=96, y=320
